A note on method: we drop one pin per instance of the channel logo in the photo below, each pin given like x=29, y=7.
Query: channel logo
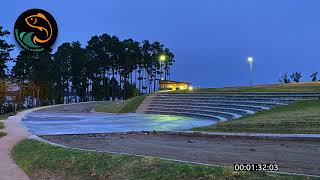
x=35, y=30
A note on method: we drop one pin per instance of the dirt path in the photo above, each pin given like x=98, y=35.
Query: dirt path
x=291, y=156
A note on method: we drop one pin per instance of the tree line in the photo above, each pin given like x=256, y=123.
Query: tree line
x=107, y=68
x=295, y=77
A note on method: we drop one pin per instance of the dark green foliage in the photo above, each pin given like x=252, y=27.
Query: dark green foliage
x=2, y=134
x=61, y=73
x=314, y=76
x=79, y=72
x=5, y=49
x=106, y=69
x=33, y=73
x=296, y=76
x=284, y=78
x=130, y=90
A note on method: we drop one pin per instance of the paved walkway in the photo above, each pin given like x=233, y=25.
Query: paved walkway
x=15, y=133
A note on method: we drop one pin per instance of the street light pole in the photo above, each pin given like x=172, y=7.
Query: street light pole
x=250, y=61
x=162, y=58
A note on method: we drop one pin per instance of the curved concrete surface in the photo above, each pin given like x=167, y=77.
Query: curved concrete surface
x=293, y=156
x=53, y=123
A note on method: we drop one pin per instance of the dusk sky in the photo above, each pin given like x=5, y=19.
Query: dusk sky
x=210, y=38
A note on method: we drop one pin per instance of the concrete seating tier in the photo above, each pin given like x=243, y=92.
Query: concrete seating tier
x=192, y=107
x=257, y=94
x=187, y=101
x=230, y=105
x=218, y=106
x=226, y=99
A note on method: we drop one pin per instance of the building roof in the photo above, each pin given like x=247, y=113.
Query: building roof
x=173, y=82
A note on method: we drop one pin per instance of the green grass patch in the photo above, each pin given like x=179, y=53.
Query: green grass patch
x=5, y=116
x=127, y=106
x=43, y=161
x=289, y=87
x=297, y=117
x=2, y=134
x=1, y=125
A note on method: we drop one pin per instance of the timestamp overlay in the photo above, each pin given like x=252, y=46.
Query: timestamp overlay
x=256, y=167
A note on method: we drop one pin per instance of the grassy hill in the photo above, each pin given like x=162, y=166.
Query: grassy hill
x=296, y=118
x=290, y=87
x=127, y=106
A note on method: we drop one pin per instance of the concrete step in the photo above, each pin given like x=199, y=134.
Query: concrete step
x=189, y=114
x=218, y=106
x=289, y=98
x=186, y=101
x=145, y=104
x=227, y=115
x=236, y=106
x=226, y=98
x=244, y=93
x=208, y=108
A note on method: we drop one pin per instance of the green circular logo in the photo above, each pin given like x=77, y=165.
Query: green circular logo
x=35, y=30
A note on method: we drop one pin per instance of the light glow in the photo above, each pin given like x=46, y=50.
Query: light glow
x=162, y=57
x=250, y=59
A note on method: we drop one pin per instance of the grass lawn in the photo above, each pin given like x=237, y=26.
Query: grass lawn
x=129, y=105
x=2, y=134
x=2, y=117
x=42, y=161
x=290, y=87
x=5, y=116
x=298, y=117
x=1, y=125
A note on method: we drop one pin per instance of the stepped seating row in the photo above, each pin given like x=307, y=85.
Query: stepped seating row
x=225, y=99
x=253, y=107
x=274, y=94
x=219, y=106
x=194, y=101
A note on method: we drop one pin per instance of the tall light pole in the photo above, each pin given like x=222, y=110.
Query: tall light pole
x=250, y=61
x=162, y=58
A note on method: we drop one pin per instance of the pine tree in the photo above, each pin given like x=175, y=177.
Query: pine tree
x=5, y=49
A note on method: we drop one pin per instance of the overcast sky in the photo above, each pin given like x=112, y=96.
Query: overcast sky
x=210, y=38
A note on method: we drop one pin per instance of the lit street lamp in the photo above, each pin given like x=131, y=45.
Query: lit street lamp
x=250, y=61
x=162, y=58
